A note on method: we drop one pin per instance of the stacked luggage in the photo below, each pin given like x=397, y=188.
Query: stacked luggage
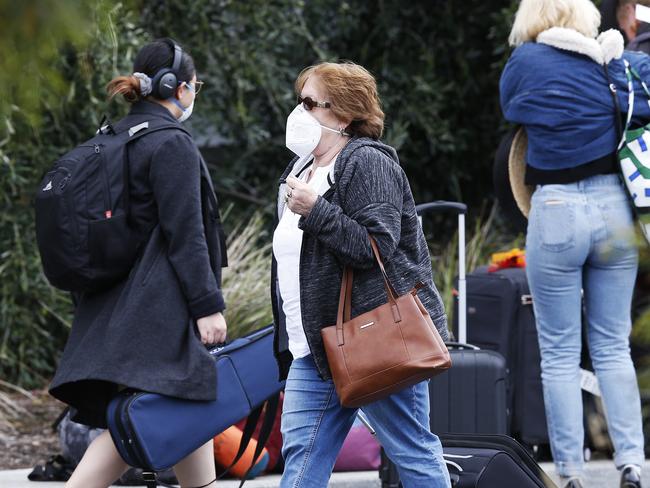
x=501, y=318
x=472, y=403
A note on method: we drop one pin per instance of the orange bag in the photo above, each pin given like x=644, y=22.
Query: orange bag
x=226, y=446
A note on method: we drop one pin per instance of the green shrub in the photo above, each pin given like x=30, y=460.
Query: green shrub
x=437, y=66
x=34, y=317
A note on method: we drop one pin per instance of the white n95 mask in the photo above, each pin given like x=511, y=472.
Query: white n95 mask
x=304, y=132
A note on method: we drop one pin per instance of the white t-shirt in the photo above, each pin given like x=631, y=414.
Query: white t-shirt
x=287, y=244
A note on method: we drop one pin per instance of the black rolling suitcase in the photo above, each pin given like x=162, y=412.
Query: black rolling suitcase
x=471, y=396
x=481, y=461
x=500, y=318
x=487, y=461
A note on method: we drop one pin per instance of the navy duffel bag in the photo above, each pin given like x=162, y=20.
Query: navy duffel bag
x=154, y=432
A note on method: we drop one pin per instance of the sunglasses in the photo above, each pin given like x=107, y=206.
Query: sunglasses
x=309, y=103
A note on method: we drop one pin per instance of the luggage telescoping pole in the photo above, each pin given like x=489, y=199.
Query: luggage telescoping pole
x=462, y=284
x=460, y=209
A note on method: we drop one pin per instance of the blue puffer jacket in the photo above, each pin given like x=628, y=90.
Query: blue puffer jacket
x=557, y=88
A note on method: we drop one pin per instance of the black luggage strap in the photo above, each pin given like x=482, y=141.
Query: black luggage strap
x=265, y=431
x=247, y=435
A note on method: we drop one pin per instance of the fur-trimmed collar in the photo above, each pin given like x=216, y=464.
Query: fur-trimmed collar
x=608, y=45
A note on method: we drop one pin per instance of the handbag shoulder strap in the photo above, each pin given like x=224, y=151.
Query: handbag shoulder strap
x=345, y=295
x=630, y=75
x=617, y=107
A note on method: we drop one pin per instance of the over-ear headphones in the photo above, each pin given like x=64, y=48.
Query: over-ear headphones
x=165, y=81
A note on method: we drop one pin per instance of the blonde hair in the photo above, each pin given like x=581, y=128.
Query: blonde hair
x=352, y=92
x=536, y=16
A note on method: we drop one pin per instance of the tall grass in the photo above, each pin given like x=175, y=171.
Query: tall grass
x=246, y=280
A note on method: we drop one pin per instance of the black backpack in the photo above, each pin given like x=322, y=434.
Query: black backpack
x=83, y=226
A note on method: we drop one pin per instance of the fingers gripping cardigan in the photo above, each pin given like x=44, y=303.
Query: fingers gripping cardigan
x=370, y=194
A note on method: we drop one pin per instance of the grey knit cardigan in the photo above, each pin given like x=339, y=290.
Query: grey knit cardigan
x=370, y=194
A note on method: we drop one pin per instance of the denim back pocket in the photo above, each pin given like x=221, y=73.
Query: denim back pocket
x=556, y=224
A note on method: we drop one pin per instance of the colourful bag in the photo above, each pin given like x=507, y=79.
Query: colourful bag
x=226, y=448
x=360, y=452
x=633, y=153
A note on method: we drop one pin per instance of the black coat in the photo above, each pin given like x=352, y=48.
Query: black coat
x=142, y=332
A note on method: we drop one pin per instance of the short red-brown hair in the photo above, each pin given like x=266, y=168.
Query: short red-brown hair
x=352, y=92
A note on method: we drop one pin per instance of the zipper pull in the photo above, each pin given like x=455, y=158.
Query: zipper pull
x=96, y=149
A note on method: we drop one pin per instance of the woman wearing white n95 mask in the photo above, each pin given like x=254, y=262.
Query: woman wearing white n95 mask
x=343, y=185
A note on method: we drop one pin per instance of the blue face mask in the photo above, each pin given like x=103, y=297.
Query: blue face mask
x=185, y=111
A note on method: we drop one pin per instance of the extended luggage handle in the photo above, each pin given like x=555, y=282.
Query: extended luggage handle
x=460, y=209
x=441, y=206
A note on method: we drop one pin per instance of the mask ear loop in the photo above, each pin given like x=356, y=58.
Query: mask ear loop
x=177, y=102
x=338, y=131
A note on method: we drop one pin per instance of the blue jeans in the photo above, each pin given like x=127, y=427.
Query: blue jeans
x=314, y=426
x=580, y=237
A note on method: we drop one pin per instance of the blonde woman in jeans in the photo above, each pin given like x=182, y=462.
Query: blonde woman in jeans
x=580, y=230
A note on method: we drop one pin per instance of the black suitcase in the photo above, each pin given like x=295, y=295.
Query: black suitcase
x=500, y=318
x=471, y=396
x=481, y=461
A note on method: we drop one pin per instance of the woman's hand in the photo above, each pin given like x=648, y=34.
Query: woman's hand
x=300, y=197
x=212, y=328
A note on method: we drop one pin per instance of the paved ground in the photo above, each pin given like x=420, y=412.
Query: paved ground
x=601, y=474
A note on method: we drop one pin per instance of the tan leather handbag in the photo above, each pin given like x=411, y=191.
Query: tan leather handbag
x=382, y=351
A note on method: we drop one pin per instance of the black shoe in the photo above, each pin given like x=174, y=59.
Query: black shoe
x=630, y=477
x=57, y=468
x=571, y=483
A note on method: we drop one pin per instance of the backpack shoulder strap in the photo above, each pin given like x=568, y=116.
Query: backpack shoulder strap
x=132, y=134
x=150, y=126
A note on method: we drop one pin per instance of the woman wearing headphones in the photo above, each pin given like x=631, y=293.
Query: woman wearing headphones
x=149, y=332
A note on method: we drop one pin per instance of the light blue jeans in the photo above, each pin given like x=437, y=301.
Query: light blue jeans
x=314, y=426
x=580, y=238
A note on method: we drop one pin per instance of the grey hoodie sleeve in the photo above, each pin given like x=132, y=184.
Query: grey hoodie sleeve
x=372, y=204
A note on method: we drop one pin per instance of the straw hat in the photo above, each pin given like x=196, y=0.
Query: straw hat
x=507, y=174
x=517, y=171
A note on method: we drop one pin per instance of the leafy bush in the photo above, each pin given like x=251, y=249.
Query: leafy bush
x=34, y=317
x=437, y=65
